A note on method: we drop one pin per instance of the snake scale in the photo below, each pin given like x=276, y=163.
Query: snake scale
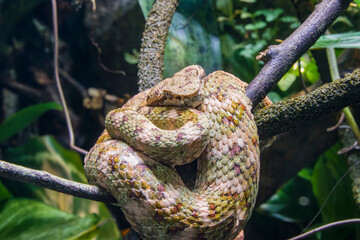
x=186, y=117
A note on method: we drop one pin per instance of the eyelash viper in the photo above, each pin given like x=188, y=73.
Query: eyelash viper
x=186, y=117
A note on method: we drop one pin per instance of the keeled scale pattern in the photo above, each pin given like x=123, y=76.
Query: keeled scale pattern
x=153, y=196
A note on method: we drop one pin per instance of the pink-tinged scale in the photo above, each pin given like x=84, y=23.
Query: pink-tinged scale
x=232, y=150
x=237, y=169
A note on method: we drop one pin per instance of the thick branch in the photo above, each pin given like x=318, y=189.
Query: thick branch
x=47, y=180
x=281, y=57
x=296, y=112
x=275, y=119
x=151, y=61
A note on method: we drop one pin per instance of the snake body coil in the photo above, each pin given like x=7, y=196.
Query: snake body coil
x=182, y=118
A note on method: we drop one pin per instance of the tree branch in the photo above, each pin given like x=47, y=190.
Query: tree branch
x=272, y=120
x=279, y=58
x=151, y=60
x=295, y=112
x=44, y=179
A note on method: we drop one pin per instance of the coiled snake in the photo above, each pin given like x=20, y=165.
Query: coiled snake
x=186, y=117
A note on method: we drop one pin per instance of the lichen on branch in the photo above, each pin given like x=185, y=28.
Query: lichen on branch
x=151, y=60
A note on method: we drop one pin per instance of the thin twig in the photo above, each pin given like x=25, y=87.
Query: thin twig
x=280, y=58
x=348, y=149
x=330, y=225
x=45, y=179
x=341, y=119
x=13, y=85
x=58, y=84
x=96, y=44
x=73, y=82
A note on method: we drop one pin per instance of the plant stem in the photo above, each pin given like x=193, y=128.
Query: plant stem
x=334, y=71
x=58, y=83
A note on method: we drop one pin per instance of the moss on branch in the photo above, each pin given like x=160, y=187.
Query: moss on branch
x=299, y=111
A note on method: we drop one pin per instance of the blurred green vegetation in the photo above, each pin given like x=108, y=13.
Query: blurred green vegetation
x=219, y=34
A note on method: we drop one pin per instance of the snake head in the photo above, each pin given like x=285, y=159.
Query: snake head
x=182, y=90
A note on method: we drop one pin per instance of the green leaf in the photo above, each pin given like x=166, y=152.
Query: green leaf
x=24, y=118
x=286, y=81
x=145, y=6
x=245, y=15
x=343, y=19
x=341, y=40
x=193, y=38
x=245, y=62
x=32, y=220
x=329, y=169
x=255, y=26
x=293, y=21
x=270, y=14
x=294, y=202
x=108, y=229
x=311, y=71
x=131, y=58
x=225, y=6
x=47, y=154
x=4, y=193
x=274, y=97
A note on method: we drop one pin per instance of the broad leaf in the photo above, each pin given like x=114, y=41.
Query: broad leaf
x=255, y=26
x=328, y=171
x=274, y=97
x=270, y=14
x=341, y=40
x=286, y=81
x=24, y=118
x=33, y=220
x=294, y=202
x=4, y=193
x=45, y=153
x=193, y=37
x=145, y=6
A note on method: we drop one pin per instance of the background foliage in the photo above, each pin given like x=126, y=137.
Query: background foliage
x=219, y=34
